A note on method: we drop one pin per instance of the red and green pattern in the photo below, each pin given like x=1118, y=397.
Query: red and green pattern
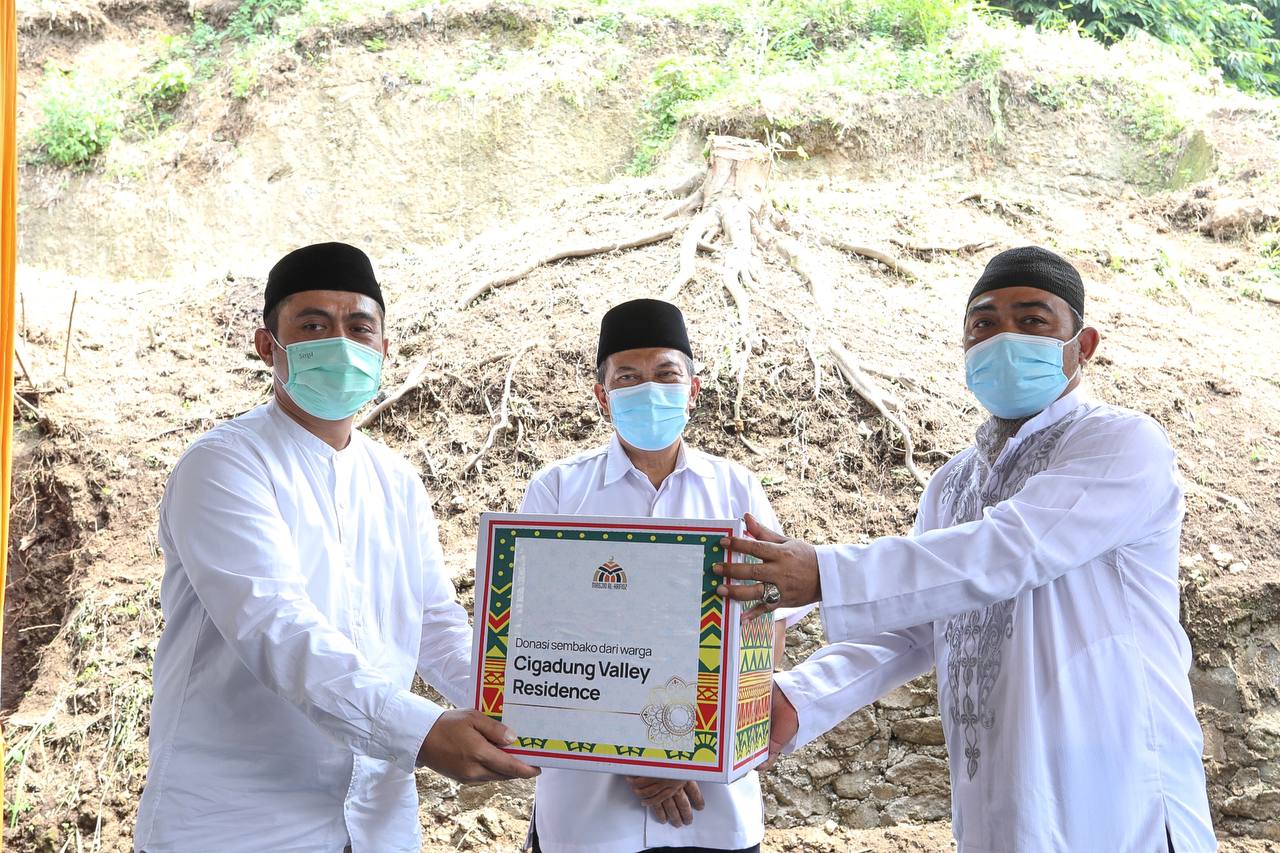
x=706, y=733
x=755, y=687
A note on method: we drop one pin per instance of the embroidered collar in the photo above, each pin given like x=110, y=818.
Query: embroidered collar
x=1056, y=411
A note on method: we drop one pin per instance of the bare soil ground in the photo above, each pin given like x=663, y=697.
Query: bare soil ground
x=152, y=363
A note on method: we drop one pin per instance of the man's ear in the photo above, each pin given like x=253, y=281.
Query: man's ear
x=1089, y=340
x=602, y=399
x=695, y=386
x=265, y=347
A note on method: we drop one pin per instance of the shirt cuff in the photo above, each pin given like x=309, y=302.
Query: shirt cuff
x=833, y=621
x=404, y=725
x=791, y=615
x=786, y=682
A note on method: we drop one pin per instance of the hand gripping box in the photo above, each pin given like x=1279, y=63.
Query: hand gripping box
x=602, y=643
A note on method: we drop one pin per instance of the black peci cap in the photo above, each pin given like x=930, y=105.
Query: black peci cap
x=1032, y=266
x=639, y=324
x=321, y=266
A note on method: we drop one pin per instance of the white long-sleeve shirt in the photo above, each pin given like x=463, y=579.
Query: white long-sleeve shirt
x=583, y=812
x=1044, y=588
x=303, y=586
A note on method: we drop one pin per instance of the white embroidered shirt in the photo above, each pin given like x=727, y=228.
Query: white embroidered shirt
x=1044, y=589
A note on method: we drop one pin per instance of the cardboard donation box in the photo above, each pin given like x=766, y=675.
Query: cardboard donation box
x=602, y=643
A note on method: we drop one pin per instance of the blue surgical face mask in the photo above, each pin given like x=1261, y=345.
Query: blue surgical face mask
x=650, y=416
x=1014, y=376
x=331, y=378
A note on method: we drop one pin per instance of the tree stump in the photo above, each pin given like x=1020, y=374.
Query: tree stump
x=733, y=203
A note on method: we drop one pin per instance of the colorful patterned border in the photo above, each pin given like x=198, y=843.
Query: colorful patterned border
x=712, y=653
x=755, y=688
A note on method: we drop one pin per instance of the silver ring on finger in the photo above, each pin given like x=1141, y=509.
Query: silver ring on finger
x=770, y=594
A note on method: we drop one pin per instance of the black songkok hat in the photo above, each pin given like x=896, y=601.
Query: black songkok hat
x=1032, y=266
x=639, y=324
x=322, y=266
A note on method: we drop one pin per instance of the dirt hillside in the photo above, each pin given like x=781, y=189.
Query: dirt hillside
x=164, y=260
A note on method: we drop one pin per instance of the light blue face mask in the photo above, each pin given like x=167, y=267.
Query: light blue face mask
x=1014, y=376
x=331, y=378
x=652, y=415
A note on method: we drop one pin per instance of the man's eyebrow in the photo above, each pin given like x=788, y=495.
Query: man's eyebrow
x=313, y=312
x=669, y=362
x=1021, y=306
x=362, y=315
x=1035, y=303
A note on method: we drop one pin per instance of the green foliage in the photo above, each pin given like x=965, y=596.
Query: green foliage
x=157, y=93
x=204, y=38
x=1149, y=117
x=412, y=70
x=913, y=22
x=1237, y=36
x=1061, y=93
x=244, y=79
x=879, y=65
x=163, y=87
x=198, y=49
x=801, y=29
x=255, y=18
x=676, y=82
x=862, y=45
x=80, y=117
x=375, y=45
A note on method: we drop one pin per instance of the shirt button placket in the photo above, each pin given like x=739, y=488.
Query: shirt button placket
x=342, y=509
x=339, y=503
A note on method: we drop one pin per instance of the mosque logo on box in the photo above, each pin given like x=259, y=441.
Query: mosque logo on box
x=609, y=576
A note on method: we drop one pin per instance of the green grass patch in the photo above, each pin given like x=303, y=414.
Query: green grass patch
x=244, y=77
x=253, y=19
x=805, y=50
x=79, y=118
x=676, y=83
x=1147, y=115
x=570, y=62
x=158, y=93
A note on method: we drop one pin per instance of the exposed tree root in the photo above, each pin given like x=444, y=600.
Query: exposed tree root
x=682, y=206
x=432, y=468
x=580, y=250
x=691, y=182
x=693, y=235
x=930, y=250
x=39, y=415
x=866, y=388
x=417, y=374
x=888, y=260
x=795, y=254
x=1010, y=210
x=502, y=421
x=732, y=217
x=731, y=201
